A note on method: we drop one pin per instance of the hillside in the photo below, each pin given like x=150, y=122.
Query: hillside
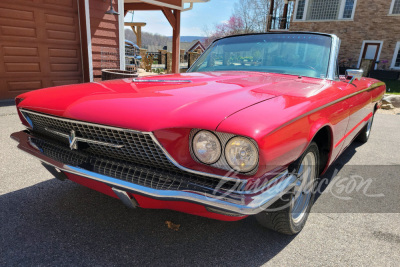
x=150, y=39
x=189, y=38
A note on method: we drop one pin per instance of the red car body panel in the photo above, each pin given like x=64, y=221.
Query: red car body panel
x=282, y=113
x=153, y=106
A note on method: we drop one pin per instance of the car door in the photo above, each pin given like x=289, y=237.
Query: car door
x=359, y=108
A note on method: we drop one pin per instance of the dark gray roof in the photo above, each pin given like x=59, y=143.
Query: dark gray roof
x=184, y=45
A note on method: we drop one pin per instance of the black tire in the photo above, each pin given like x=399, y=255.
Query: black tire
x=365, y=133
x=279, y=216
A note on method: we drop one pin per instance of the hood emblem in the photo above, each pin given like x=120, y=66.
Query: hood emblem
x=73, y=144
x=73, y=139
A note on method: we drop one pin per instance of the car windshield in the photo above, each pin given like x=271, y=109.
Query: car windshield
x=296, y=54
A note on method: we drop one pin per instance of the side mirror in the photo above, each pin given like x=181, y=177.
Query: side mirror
x=354, y=74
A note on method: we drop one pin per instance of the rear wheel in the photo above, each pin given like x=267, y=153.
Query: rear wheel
x=364, y=134
x=289, y=214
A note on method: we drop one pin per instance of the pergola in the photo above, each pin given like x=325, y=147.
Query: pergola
x=172, y=11
x=137, y=30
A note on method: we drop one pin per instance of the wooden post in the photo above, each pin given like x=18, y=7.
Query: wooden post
x=137, y=30
x=271, y=13
x=283, y=22
x=139, y=36
x=176, y=41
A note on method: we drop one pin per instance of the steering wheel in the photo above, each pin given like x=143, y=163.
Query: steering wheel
x=303, y=65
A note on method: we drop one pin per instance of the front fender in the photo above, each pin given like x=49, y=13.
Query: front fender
x=283, y=132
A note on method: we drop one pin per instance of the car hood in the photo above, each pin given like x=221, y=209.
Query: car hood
x=190, y=100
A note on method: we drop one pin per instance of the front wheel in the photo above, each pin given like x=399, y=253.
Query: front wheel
x=289, y=214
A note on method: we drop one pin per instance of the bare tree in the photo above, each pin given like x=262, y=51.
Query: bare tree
x=249, y=16
x=147, y=38
x=253, y=13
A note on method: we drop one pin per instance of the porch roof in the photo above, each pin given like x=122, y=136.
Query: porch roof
x=172, y=11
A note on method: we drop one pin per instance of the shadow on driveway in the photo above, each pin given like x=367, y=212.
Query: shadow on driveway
x=55, y=222
x=7, y=103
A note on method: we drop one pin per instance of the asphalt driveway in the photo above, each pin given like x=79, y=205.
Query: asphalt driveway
x=47, y=222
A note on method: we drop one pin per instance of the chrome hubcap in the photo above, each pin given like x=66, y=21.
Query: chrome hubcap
x=304, y=187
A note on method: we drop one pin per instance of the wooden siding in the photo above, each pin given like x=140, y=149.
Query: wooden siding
x=39, y=45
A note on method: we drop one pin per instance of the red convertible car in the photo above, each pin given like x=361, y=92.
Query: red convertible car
x=246, y=131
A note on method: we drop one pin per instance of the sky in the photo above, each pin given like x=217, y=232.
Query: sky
x=193, y=22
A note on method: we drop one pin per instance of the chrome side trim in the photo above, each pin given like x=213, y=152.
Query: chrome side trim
x=373, y=86
x=74, y=140
x=170, y=158
x=27, y=119
x=160, y=81
x=248, y=205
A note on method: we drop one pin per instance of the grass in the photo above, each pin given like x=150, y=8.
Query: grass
x=392, y=86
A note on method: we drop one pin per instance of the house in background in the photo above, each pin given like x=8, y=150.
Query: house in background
x=186, y=46
x=368, y=29
x=46, y=43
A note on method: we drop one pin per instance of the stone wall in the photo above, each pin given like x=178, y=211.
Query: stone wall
x=163, y=57
x=169, y=62
x=182, y=55
x=371, y=22
x=192, y=57
x=143, y=54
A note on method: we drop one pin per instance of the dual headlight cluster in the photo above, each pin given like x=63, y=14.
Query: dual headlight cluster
x=240, y=153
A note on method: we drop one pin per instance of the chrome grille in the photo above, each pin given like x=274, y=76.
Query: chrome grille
x=140, y=160
x=142, y=175
x=138, y=147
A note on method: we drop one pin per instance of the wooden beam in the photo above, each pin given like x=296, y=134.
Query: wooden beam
x=140, y=6
x=139, y=36
x=125, y=12
x=137, y=30
x=176, y=36
x=170, y=16
x=84, y=41
x=135, y=24
x=134, y=30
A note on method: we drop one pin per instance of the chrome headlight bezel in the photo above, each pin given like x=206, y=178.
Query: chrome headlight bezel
x=252, y=145
x=222, y=162
x=217, y=141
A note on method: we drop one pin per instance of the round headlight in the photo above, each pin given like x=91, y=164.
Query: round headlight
x=241, y=154
x=206, y=147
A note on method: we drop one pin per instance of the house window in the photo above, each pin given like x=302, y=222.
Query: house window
x=396, y=57
x=323, y=9
x=300, y=9
x=320, y=10
x=348, y=9
x=395, y=7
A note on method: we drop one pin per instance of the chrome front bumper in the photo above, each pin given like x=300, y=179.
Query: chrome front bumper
x=248, y=205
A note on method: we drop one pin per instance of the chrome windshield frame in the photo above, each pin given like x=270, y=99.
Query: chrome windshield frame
x=334, y=52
